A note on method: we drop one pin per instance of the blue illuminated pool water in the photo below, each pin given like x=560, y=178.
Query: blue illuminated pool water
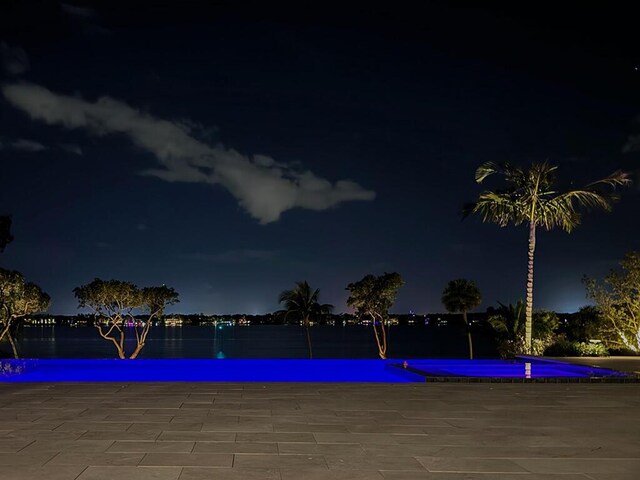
x=273, y=370
x=520, y=368
x=200, y=370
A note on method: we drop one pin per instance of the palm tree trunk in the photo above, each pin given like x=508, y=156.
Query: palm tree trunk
x=528, y=326
x=464, y=314
x=306, y=327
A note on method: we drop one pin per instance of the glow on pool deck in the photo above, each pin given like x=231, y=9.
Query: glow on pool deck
x=273, y=370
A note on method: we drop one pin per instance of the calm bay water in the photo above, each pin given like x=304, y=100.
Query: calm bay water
x=256, y=341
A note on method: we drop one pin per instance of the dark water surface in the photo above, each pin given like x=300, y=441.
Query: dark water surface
x=256, y=341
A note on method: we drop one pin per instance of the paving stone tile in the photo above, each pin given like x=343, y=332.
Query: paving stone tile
x=116, y=435
x=609, y=476
x=380, y=438
x=46, y=434
x=165, y=427
x=518, y=452
x=139, y=418
x=237, y=427
x=372, y=462
x=196, y=473
x=58, y=472
x=238, y=447
x=310, y=427
x=301, y=474
x=28, y=459
x=188, y=460
x=83, y=446
x=27, y=426
x=580, y=465
x=232, y=409
x=404, y=475
x=386, y=428
x=96, y=459
x=181, y=436
x=470, y=465
x=13, y=445
x=95, y=426
x=321, y=448
x=311, y=462
x=160, y=446
x=130, y=473
x=275, y=437
x=199, y=418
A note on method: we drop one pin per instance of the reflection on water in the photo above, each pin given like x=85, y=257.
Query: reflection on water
x=527, y=370
x=256, y=341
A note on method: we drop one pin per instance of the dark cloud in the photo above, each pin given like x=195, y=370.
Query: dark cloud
x=82, y=12
x=14, y=59
x=28, y=145
x=71, y=148
x=632, y=145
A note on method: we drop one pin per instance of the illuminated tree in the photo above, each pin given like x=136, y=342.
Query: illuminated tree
x=18, y=299
x=373, y=296
x=301, y=304
x=618, y=304
x=114, y=303
x=531, y=199
x=460, y=296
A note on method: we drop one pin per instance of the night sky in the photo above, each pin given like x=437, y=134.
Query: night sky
x=231, y=149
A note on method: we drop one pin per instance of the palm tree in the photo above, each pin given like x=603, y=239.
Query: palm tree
x=301, y=303
x=509, y=323
x=460, y=296
x=530, y=199
x=508, y=320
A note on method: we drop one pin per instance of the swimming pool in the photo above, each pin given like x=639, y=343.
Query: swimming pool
x=201, y=370
x=525, y=368
x=273, y=370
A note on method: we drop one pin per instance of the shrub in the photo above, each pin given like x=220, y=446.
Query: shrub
x=562, y=347
x=511, y=348
x=588, y=349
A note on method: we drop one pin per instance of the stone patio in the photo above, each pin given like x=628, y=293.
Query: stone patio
x=224, y=431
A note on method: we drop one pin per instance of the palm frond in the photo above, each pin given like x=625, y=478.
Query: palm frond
x=498, y=207
x=486, y=169
x=616, y=179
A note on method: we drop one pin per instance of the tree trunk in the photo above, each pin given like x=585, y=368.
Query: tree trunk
x=5, y=329
x=13, y=345
x=464, y=315
x=528, y=326
x=136, y=351
x=141, y=339
x=384, y=339
x=381, y=343
x=306, y=327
